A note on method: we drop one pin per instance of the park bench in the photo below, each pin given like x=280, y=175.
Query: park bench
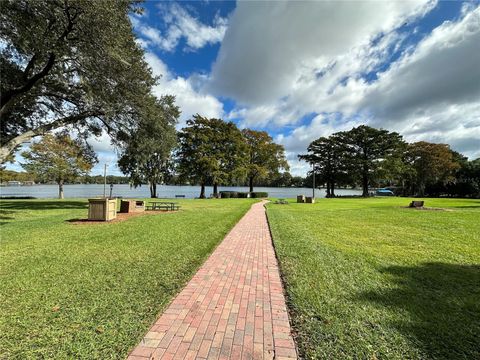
x=416, y=204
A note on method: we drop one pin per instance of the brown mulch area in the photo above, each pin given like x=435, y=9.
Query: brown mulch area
x=120, y=217
x=426, y=208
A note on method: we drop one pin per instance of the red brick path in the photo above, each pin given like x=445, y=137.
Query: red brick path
x=233, y=308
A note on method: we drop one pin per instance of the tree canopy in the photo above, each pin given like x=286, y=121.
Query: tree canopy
x=59, y=158
x=327, y=156
x=264, y=157
x=210, y=151
x=368, y=157
x=431, y=163
x=145, y=157
x=69, y=63
x=367, y=149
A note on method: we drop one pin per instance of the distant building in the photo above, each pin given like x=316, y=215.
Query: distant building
x=14, y=183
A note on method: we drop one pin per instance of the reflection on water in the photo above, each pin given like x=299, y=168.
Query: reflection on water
x=164, y=191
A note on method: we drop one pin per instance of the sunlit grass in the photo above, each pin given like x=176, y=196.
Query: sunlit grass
x=367, y=278
x=91, y=291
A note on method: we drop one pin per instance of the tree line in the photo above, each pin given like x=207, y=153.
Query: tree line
x=371, y=157
x=207, y=152
x=22, y=176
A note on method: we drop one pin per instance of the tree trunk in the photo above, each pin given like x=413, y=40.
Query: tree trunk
x=215, y=190
x=421, y=189
x=250, y=183
x=153, y=190
x=365, y=184
x=202, y=191
x=333, y=189
x=329, y=194
x=60, y=189
x=7, y=148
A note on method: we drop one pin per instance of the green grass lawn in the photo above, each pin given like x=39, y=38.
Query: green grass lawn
x=92, y=291
x=368, y=279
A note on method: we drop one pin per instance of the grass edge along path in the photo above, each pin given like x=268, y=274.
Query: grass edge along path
x=368, y=278
x=91, y=291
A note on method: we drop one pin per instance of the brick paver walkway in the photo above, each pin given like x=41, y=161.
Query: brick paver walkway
x=233, y=308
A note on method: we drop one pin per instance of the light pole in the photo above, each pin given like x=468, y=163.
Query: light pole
x=313, y=178
x=105, y=181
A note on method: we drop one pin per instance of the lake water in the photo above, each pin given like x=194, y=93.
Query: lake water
x=163, y=191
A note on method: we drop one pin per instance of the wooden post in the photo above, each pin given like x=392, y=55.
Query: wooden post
x=105, y=181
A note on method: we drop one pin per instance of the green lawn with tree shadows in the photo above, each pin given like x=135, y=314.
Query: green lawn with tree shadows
x=369, y=279
x=92, y=291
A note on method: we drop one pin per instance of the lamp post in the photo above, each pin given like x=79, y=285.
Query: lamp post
x=313, y=179
x=105, y=181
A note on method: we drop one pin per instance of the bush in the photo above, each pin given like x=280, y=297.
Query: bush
x=228, y=194
x=239, y=194
x=258, y=194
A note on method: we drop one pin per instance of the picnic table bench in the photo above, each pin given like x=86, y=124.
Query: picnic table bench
x=163, y=205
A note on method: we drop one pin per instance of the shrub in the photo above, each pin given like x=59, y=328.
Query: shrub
x=240, y=194
x=228, y=194
x=258, y=194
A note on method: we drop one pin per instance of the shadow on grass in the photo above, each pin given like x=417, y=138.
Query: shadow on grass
x=466, y=207
x=4, y=216
x=443, y=301
x=42, y=205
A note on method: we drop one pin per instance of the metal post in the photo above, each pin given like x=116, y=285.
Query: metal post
x=313, y=174
x=105, y=181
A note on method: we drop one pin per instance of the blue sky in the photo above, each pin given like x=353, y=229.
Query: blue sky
x=301, y=70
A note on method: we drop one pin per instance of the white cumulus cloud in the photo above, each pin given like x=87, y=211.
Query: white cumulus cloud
x=188, y=91
x=179, y=23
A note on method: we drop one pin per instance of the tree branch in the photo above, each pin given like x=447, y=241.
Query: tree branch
x=7, y=148
x=9, y=95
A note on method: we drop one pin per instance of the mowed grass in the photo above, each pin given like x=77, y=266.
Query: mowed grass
x=368, y=279
x=92, y=291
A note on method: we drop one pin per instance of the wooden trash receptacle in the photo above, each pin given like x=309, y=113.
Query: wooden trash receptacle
x=300, y=198
x=102, y=209
x=131, y=206
x=310, y=200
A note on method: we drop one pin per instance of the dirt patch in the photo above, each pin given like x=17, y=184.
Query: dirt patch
x=120, y=217
x=426, y=208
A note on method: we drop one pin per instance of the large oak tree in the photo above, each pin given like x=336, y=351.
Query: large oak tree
x=366, y=149
x=431, y=163
x=327, y=156
x=210, y=151
x=264, y=157
x=69, y=62
x=145, y=158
